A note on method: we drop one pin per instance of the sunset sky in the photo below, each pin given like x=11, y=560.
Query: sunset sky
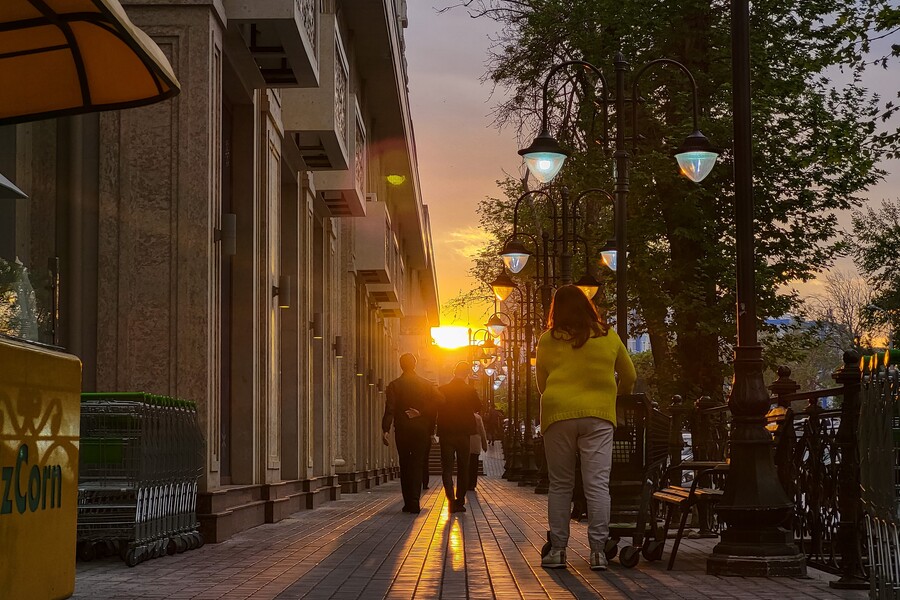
x=462, y=155
x=451, y=109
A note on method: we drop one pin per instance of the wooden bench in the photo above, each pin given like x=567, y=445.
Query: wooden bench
x=681, y=498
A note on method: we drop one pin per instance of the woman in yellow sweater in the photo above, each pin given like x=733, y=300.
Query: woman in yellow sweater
x=578, y=359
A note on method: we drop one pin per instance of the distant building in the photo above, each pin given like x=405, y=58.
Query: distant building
x=639, y=344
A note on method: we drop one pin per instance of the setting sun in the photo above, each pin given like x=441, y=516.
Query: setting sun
x=450, y=337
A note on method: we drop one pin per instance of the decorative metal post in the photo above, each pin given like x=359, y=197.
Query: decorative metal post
x=850, y=529
x=678, y=411
x=565, y=259
x=514, y=472
x=529, y=467
x=754, y=506
x=621, y=192
x=785, y=441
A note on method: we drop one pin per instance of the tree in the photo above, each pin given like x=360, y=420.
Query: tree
x=815, y=149
x=875, y=246
x=841, y=312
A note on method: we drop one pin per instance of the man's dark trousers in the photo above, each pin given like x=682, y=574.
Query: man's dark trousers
x=412, y=445
x=456, y=447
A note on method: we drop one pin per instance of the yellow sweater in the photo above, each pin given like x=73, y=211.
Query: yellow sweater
x=582, y=382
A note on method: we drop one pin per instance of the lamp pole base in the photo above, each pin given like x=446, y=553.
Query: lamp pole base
x=756, y=566
x=754, y=506
x=849, y=583
x=766, y=552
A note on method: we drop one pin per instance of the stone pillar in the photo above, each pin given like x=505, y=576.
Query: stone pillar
x=269, y=256
x=349, y=409
x=158, y=267
x=293, y=334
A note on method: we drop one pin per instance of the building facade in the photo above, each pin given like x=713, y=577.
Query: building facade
x=258, y=244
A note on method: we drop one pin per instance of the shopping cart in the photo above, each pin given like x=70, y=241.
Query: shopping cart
x=140, y=458
x=639, y=460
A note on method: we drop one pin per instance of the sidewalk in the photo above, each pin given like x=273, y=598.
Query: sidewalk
x=362, y=546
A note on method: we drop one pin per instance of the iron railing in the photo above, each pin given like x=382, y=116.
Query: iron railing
x=816, y=452
x=880, y=474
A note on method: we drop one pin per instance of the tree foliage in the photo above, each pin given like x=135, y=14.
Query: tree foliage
x=841, y=312
x=875, y=246
x=817, y=144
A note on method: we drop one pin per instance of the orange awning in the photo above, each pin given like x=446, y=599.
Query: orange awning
x=8, y=190
x=66, y=57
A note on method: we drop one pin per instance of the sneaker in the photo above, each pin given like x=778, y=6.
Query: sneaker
x=599, y=561
x=555, y=559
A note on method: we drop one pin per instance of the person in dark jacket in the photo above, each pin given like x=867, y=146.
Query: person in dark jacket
x=409, y=406
x=455, y=425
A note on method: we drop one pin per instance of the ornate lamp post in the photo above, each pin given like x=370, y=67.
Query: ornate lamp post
x=545, y=157
x=754, y=505
x=521, y=460
x=555, y=249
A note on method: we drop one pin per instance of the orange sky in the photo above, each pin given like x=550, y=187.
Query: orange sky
x=461, y=154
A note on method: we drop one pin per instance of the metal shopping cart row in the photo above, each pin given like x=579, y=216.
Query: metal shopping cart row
x=140, y=458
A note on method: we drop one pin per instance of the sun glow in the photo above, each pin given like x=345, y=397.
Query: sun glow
x=450, y=337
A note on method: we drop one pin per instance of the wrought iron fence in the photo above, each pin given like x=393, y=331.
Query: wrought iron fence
x=816, y=452
x=880, y=474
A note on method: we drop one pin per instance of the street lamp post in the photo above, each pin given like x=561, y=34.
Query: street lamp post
x=754, y=505
x=545, y=157
x=529, y=465
x=521, y=465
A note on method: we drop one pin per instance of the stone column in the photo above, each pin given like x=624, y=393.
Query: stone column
x=269, y=255
x=158, y=267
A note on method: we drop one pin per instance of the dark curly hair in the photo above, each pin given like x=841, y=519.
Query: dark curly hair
x=573, y=317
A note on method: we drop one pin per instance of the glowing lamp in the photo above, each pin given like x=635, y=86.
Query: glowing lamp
x=589, y=285
x=609, y=258
x=503, y=286
x=496, y=325
x=515, y=255
x=544, y=157
x=696, y=157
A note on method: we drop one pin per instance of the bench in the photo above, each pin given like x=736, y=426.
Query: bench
x=683, y=499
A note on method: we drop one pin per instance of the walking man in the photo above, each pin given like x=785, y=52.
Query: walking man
x=409, y=405
x=455, y=425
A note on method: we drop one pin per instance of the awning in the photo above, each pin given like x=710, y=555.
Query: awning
x=9, y=191
x=66, y=57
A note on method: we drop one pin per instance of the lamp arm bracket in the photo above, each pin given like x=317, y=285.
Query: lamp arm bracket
x=540, y=193
x=558, y=68
x=576, y=203
x=637, y=78
x=516, y=234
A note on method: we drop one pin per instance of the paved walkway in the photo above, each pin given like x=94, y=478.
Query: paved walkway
x=362, y=546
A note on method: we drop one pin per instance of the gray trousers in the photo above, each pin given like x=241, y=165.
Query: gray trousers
x=593, y=438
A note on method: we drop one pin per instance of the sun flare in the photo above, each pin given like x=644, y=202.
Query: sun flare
x=450, y=337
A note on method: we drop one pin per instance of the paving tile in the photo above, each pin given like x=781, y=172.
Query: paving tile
x=362, y=546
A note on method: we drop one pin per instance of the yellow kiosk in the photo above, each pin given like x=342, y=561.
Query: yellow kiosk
x=40, y=392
